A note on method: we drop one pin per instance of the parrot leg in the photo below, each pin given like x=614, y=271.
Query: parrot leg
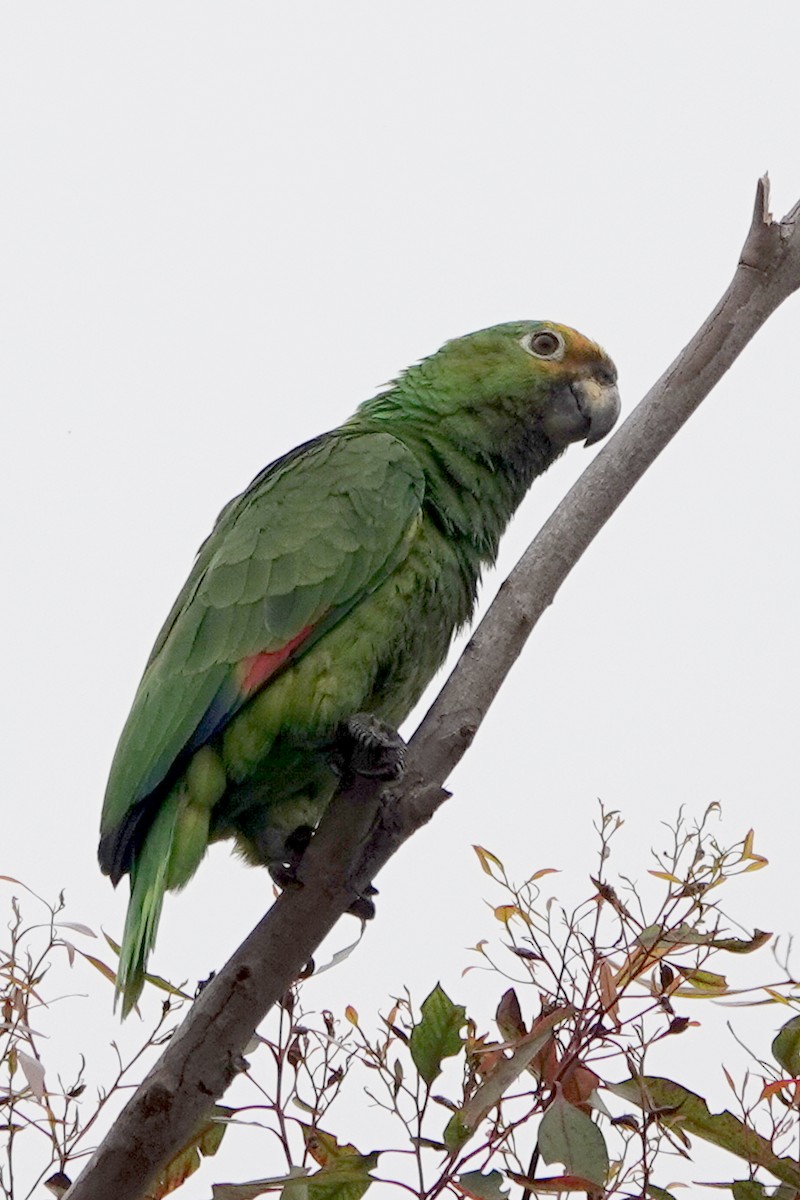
x=366, y=746
x=373, y=749
x=284, y=872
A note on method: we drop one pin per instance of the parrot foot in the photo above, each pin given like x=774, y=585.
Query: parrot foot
x=284, y=872
x=372, y=748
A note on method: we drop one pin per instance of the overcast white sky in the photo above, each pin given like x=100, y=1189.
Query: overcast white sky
x=224, y=225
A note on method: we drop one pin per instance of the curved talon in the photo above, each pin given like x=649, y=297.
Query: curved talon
x=373, y=748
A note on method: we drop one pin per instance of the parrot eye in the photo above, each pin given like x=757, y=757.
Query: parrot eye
x=545, y=343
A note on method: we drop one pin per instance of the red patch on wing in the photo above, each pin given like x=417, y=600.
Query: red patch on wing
x=256, y=670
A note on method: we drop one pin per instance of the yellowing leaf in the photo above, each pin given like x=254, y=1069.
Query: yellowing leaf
x=351, y=1015
x=504, y=912
x=757, y=861
x=345, y=1171
x=666, y=875
x=704, y=981
x=327, y=1151
x=489, y=860
x=544, y=871
x=776, y=996
x=203, y=1144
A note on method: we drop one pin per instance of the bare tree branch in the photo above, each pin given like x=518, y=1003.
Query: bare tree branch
x=363, y=828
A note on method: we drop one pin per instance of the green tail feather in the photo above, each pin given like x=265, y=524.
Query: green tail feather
x=171, y=853
x=148, y=883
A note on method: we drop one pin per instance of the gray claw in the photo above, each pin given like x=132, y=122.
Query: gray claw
x=375, y=749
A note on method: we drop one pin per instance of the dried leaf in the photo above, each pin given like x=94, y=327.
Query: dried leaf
x=105, y=971
x=33, y=1071
x=78, y=928
x=608, y=993
x=509, y=1016
x=58, y=1184
x=551, y=1184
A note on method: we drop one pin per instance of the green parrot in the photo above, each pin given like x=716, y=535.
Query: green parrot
x=325, y=600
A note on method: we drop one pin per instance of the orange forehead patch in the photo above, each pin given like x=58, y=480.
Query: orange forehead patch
x=580, y=348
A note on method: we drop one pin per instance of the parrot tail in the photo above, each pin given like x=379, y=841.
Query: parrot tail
x=149, y=881
x=166, y=860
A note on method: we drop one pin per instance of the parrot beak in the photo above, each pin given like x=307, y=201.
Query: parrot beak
x=599, y=403
x=586, y=408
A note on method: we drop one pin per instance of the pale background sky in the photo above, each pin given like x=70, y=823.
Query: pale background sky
x=224, y=225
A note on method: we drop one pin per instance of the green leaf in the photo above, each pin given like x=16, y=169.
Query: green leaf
x=437, y=1034
x=568, y=1136
x=649, y=936
x=681, y=1109
x=347, y=1180
x=739, y=946
x=482, y=1187
x=748, y=1189
x=786, y=1047
x=344, y=1179
x=685, y=935
x=657, y=1193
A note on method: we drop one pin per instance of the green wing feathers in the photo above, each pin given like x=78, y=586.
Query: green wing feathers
x=289, y=559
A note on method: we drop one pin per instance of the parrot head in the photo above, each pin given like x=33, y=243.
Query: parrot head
x=535, y=372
